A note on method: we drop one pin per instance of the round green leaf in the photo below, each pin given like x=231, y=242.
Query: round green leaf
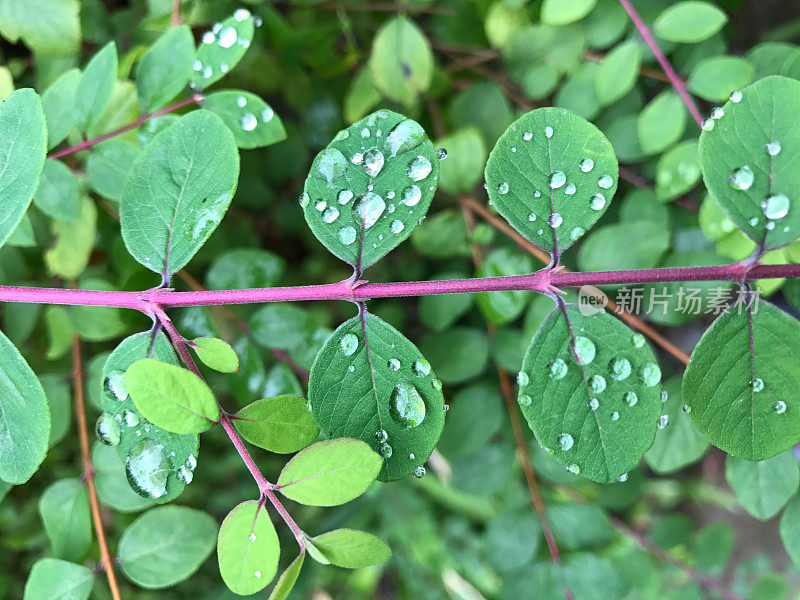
x=401, y=61
x=248, y=549
x=64, y=508
x=598, y=413
x=370, y=187
x=165, y=68
x=756, y=185
x=329, y=473
x=714, y=78
x=351, y=549
x=381, y=388
x=742, y=379
x=678, y=170
x=109, y=165
x=552, y=175
x=216, y=354
x=661, y=123
x=222, y=48
x=54, y=579
x=171, y=397
x=763, y=488
x=561, y=12
x=458, y=354
x=689, y=22
x=281, y=424
x=466, y=157
x=166, y=545
x=245, y=268
x=253, y=122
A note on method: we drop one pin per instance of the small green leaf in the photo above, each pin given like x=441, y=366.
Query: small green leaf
x=763, y=488
x=248, y=549
x=618, y=72
x=25, y=431
x=23, y=236
x=458, y=354
x=689, y=22
x=552, y=175
x=330, y=473
x=466, y=158
x=48, y=27
x=165, y=68
x=59, y=398
x=382, y=392
x=661, y=123
x=511, y=539
x=95, y=87
x=401, y=61
x=712, y=546
x=678, y=170
x=253, y=122
x=580, y=526
x=351, y=549
x=166, y=545
x=741, y=380
x=790, y=529
x=222, y=48
x=627, y=245
x=287, y=579
x=282, y=424
x=369, y=188
x=283, y=326
x=602, y=383
x=109, y=165
x=501, y=307
x=714, y=78
x=111, y=482
x=171, y=397
x=245, y=268
x=74, y=240
x=59, y=331
x=561, y=12
x=23, y=140
x=361, y=97
x=57, y=194
x=216, y=354
x=94, y=323
x=54, y=579
x=178, y=191
x=64, y=508
x=57, y=102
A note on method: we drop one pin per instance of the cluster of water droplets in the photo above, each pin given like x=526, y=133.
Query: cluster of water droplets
x=224, y=36
x=249, y=120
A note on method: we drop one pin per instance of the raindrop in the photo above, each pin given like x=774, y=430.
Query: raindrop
x=593, y=403
x=631, y=398
x=663, y=421
x=574, y=469
x=347, y=235
x=330, y=215
x=241, y=101
x=349, y=344
x=686, y=408
x=436, y=384
x=227, y=37
x=422, y=367
x=598, y=202
x=525, y=400
x=396, y=226
x=502, y=188
x=411, y=195
x=406, y=405
x=707, y=125
x=252, y=537
x=615, y=416
x=620, y=368
x=522, y=378
x=775, y=206
x=576, y=233
x=373, y=162
x=419, y=472
x=130, y=417
x=556, y=220
x=664, y=396
x=267, y=114
x=773, y=148
x=209, y=37
x=637, y=339
x=531, y=217
x=717, y=113
x=441, y=153
x=779, y=407
x=753, y=222
x=108, y=430
x=114, y=386
x=597, y=383
x=527, y=136
x=329, y=164
x=148, y=469
x=741, y=178
x=418, y=169
x=197, y=65
x=365, y=132
x=757, y=384
x=191, y=462
x=557, y=179
x=369, y=208
x=185, y=476
x=381, y=435
x=393, y=364
x=320, y=205
x=357, y=158
x=548, y=132
x=735, y=97
x=565, y=441
x=257, y=574
x=558, y=368
x=623, y=478
x=241, y=14
x=537, y=194
x=345, y=196
x=584, y=350
x=651, y=374
x=586, y=165
x=404, y=136
x=411, y=456
x=605, y=182
x=570, y=189
x=385, y=450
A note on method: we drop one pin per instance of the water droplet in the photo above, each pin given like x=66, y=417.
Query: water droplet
x=623, y=478
x=185, y=476
x=393, y=364
x=620, y=368
x=329, y=164
x=753, y=222
x=557, y=179
x=223, y=67
x=757, y=384
x=241, y=101
x=227, y=37
x=779, y=407
x=419, y=472
x=267, y=114
x=537, y=194
x=191, y=461
x=441, y=153
x=330, y=215
x=148, y=469
x=373, y=162
x=320, y=205
x=707, y=124
x=347, y=235
x=345, y=196
x=349, y=344
x=108, y=430
x=598, y=202
x=576, y=233
x=531, y=217
x=651, y=374
x=365, y=132
x=584, y=350
x=418, y=169
x=131, y=418
x=525, y=400
x=573, y=468
x=686, y=408
x=631, y=398
x=770, y=225
x=209, y=37
x=775, y=206
x=404, y=136
x=197, y=65
x=548, y=132
x=741, y=178
x=565, y=441
x=663, y=421
x=717, y=113
x=422, y=367
x=369, y=208
x=773, y=148
x=411, y=195
x=241, y=14
x=436, y=384
x=406, y=405
x=381, y=435
x=114, y=386
x=615, y=416
x=605, y=182
x=411, y=456
x=527, y=136
x=586, y=165
x=597, y=383
x=522, y=378
x=735, y=97
x=558, y=368
x=664, y=396
x=637, y=339
x=257, y=574
x=252, y=537
x=502, y=188
x=570, y=189
x=593, y=403
x=555, y=220
x=396, y=226
x=385, y=450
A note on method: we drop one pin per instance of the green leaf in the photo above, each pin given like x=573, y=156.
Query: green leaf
x=25, y=428
x=57, y=101
x=466, y=158
x=253, y=122
x=362, y=96
x=561, y=12
x=282, y=326
x=679, y=444
x=440, y=312
x=64, y=508
x=46, y=26
x=661, y=123
x=281, y=424
x=763, y=488
x=770, y=586
x=95, y=87
x=790, y=529
x=74, y=240
x=222, y=48
x=714, y=78
x=245, y=268
x=351, y=549
x=288, y=578
x=401, y=61
x=59, y=399
x=248, y=548
x=23, y=140
x=511, y=539
x=166, y=545
x=54, y=579
x=552, y=175
x=373, y=182
x=57, y=194
x=384, y=386
x=592, y=577
x=111, y=482
x=178, y=191
x=330, y=473
x=23, y=236
x=618, y=72
x=94, y=323
x=159, y=464
x=601, y=382
x=501, y=307
x=755, y=188
x=689, y=22
x=741, y=380
x=216, y=354
x=580, y=526
x=458, y=354
x=712, y=546
x=627, y=245
x=109, y=165
x=678, y=170
x=171, y=397
x=475, y=415
x=165, y=68
x=59, y=331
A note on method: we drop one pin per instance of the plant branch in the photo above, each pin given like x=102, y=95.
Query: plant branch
x=106, y=559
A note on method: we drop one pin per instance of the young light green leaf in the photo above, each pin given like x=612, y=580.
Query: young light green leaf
x=165, y=68
x=713, y=78
x=216, y=354
x=64, y=508
x=46, y=26
x=747, y=160
x=178, y=191
x=58, y=101
x=466, y=158
x=602, y=383
x=253, y=122
x=362, y=96
x=661, y=123
x=109, y=165
x=171, y=397
x=111, y=482
x=286, y=581
x=382, y=392
x=678, y=170
x=350, y=548
x=222, y=48
x=59, y=331
x=166, y=545
x=54, y=579
x=74, y=241
x=618, y=72
x=95, y=87
x=401, y=61
x=370, y=187
x=57, y=194
x=763, y=488
x=561, y=12
x=330, y=473
x=689, y=22
x=23, y=140
x=25, y=430
x=550, y=188
x=741, y=380
x=248, y=549
x=281, y=424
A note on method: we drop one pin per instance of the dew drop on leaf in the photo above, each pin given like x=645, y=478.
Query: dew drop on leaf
x=185, y=476
x=623, y=478
x=663, y=421
x=584, y=349
x=373, y=162
x=248, y=121
x=347, y=235
x=597, y=383
x=565, y=441
x=664, y=396
x=406, y=405
x=393, y=364
x=570, y=189
x=605, y=182
x=525, y=400
x=148, y=469
x=404, y=136
x=557, y=180
x=422, y=367
x=345, y=196
x=598, y=202
x=717, y=113
x=396, y=226
x=773, y=148
x=227, y=37
x=419, y=472
x=548, y=132
x=108, y=430
x=615, y=416
x=114, y=385
x=735, y=97
x=381, y=435
x=209, y=37
x=556, y=220
x=329, y=164
x=419, y=168
x=631, y=398
x=586, y=165
x=522, y=378
x=651, y=374
x=707, y=124
x=131, y=418
x=252, y=537
x=558, y=369
x=411, y=195
x=527, y=136
x=593, y=403
x=637, y=339
x=330, y=215
x=620, y=368
x=385, y=450
x=502, y=188
x=349, y=344
x=531, y=217
x=369, y=209
x=775, y=206
x=741, y=178
x=779, y=407
x=441, y=153
x=574, y=469
x=757, y=384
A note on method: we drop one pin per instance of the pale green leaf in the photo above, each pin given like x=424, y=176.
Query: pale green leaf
x=689, y=22
x=281, y=424
x=661, y=123
x=714, y=78
x=245, y=268
x=109, y=165
x=561, y=12
x=286, y=581
x=57, y=194
x=351, y=549
x=54, y=579
x=74, y=240
x=618, y=72
x=165, y=68
x=466, y=158
x=678, y=170
x=763, y=488
x=248, y=548
x=95, y=87
x=111, y=482
x=58, y=101
x=64, y=508
x=46, y=26
x=216, y=354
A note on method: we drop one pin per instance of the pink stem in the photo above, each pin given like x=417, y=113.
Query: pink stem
x=143, y=119
x=541, y=282
x=673, y=77
x=298, y=533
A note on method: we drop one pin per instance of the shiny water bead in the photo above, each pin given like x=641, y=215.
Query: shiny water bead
x=522, y=378
x=349, y=344
x=406, y=405
x=148, y=469
x=593, y=403
x=557, y=180
x=779, y=407
x=267, y=114
x=531, y=217
x=570, y=189
x=381, y=435
x=419, y=168
x=396, y=226
x=421, y=367
x=548, y=132
x=537, y=194
x=773, y=148
x=330, y=215
x=576, y=233
x=404, y=136
x=584, y=350
x=227, y=37
x=419, y=472
x=557, y=369
x=615, y=416
x=502, y=188
x=357, y=158
x=369, y=209
x=637, y=339
x=385, y=450
x=436, y=384
x=651, y=374
x=441, y=153
x=707, y=124
x=197, y=65
x=320, y=205
x=191, y=462
x=663, y=421
x=741, y=178
x=770, y=225
x=753, y=222
x=605, y=182
x=565, y=441
x=525, y=400
x=735, y=97
x=623, y=478
x=345, y=196
x=411, y=195
x=373, y=162
x=556, y=220
x=252, y=537
x=573, y=468
x=241, y=101
x=775, y=206
x=241, y=14
x=597, y=383
x=108, y=430
x=598, y=202
x=209, y=37
x=586, y=165
x=757, y=384
x=620, y=368
x=185, y=476
x=131, y=418
x=527, y=136
x=114, y=385
x=686, y=408
x=717, y=113
x=631, y=398
x=393, y=364
x=347, y=235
